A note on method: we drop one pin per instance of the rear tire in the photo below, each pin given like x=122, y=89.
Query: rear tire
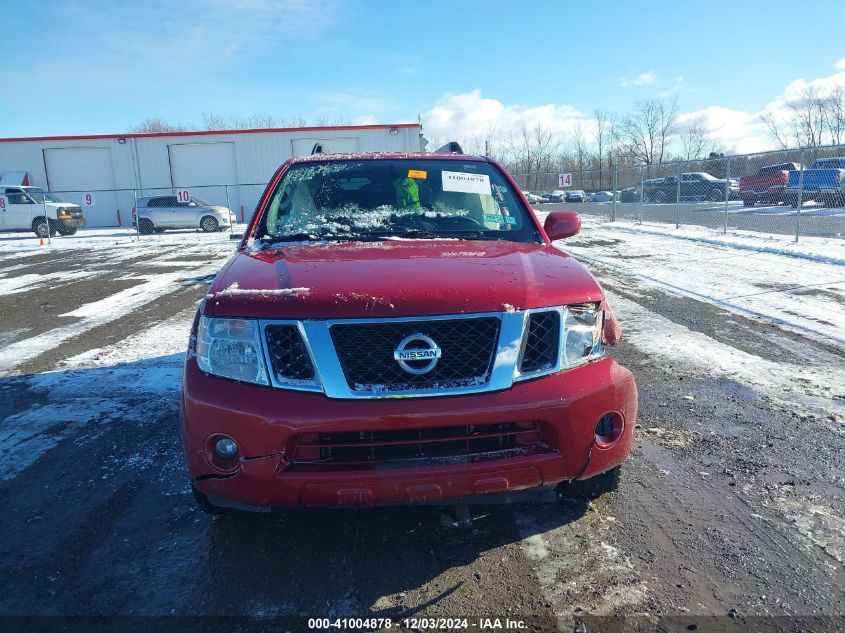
x=661, y=197
x=594, y=487
x=717, y=195
x=67, y=232
x=209, y=224
x=146, y=226
x=748, y=202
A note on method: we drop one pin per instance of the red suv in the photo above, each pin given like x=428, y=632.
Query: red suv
x=399, y=329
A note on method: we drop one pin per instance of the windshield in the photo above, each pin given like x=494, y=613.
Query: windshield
x=200, y=201
x=39, y=195
x=383, y=199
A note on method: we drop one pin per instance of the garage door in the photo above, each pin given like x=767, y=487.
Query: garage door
x=74, y=171
x=204, y=169
x=304, y=146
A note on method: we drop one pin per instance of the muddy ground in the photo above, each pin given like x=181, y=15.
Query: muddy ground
x=730, y=505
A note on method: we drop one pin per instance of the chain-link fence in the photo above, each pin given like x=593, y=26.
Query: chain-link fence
x=795, y=192
x=209, y=208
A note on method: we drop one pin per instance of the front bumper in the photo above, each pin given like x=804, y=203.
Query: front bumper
x=263, y=421
x=71, y=222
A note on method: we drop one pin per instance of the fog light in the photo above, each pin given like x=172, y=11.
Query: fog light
x=226, y=448
x=608, y=429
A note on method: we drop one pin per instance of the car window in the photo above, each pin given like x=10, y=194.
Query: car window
x=162, y=201
x=378, y=199
x=17, y=196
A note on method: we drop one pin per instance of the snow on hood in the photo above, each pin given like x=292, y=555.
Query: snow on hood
x=397, y=278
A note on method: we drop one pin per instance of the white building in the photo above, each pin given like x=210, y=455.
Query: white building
x=229, y=167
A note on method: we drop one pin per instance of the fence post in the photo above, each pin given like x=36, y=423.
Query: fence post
x=614, y=182
x=678, y=200
x=47, y=220
x=800, y=196
x=727, y=192
x=137, y=216
x=642, y=192
x=229, y=207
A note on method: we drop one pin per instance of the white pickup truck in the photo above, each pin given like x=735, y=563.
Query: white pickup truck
x=24, y=208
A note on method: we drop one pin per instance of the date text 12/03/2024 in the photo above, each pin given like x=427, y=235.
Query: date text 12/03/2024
x=441, y=624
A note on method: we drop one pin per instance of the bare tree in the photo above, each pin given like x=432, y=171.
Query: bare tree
x=646, y=132
x=293, y=120
x=254, y=121
x=808, y=117
x=579, y=142
x=775, y=129
x=324, y=121
x=151, y=126
x=602, y=118
x=835, y=115
x=696, y=141
x=815, y=117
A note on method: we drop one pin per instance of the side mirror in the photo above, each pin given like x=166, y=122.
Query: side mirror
x=562, y=224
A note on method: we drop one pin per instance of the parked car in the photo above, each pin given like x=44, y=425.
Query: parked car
x=533, y=198
x=629, y=194
x=158, y=213
x=332, y=364
x=26, y=208
x=767, y=185
x=575, y=195
x=822, y=182
x=601, y=196
x=694, y=186
x=558, y=195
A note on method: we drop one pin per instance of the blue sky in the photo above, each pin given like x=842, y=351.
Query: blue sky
x=91, y=67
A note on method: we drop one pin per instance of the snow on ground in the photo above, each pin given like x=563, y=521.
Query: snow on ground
x=145, y=367
x=797, y=286
x=815, y=386
x=20, y=245
x=823, y=249
x=97, y=313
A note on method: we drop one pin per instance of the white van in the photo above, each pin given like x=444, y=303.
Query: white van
x=24, y=208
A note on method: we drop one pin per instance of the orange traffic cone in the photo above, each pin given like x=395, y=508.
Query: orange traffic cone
x=41, y=241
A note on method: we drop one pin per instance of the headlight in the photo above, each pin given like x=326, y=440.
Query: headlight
x=231, y=348
x=581, y=334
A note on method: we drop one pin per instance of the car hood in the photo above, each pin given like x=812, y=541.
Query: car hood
x=64, y=205
x=396, y=279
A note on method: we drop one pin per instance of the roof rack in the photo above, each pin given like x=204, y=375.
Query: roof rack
x=452, y=147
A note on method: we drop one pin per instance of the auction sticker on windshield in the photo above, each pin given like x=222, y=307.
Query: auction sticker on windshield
x=467, y=183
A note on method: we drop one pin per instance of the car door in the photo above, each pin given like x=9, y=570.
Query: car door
x=20, y=210
x=165, y=207
x=152, y=210
x=184, y=214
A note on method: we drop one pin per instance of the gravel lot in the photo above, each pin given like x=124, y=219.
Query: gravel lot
x=731, y=505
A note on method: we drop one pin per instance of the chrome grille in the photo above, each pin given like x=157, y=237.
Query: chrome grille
x=542, y=344
x=365, y=351
x=289, y=360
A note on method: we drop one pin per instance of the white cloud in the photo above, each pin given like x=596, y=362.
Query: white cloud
x=676, y=86
x=645, y=79
x=469, y=114
x=735, y=130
